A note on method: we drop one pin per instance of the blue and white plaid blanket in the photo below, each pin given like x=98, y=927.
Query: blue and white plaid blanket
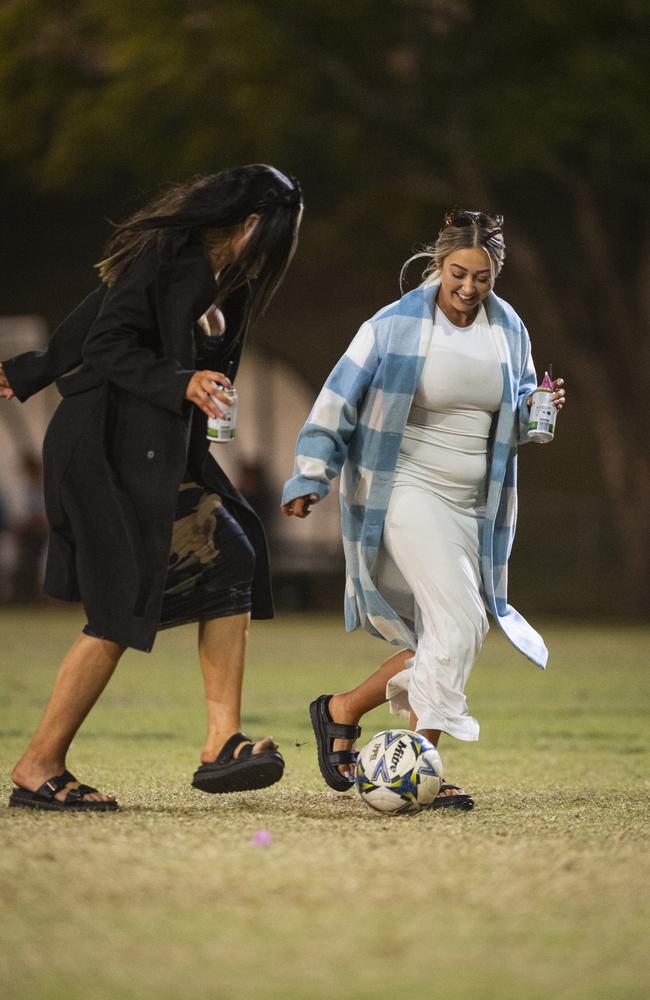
x=355, y=428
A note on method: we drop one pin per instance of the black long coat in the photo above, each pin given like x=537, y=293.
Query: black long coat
x=118, y=445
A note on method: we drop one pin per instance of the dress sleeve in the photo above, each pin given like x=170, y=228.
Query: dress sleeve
x=322, y=445
x=123, y=343
x=28, y=373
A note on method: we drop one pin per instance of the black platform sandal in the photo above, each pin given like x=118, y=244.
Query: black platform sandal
x=326, y=730
x=75, y=801
x=243, y=773
x=464, y=801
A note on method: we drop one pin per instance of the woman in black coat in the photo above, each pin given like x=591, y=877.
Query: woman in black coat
x=145, y=528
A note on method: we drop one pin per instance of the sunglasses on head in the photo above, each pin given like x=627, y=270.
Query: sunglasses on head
x=482, y=219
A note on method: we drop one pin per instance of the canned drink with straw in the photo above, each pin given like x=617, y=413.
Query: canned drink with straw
x=223, y=428
x=543, y=414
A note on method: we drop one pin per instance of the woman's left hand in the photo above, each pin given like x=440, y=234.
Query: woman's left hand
x=559, y=394
x=6, y=392
x=205, y=389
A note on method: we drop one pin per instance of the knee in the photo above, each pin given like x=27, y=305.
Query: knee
x=460, y=641
x=465, y=641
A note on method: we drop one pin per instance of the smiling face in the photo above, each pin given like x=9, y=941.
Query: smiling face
x=465, y=280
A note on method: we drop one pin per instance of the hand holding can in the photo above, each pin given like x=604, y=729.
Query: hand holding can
x=545, y=404
x=200, y=388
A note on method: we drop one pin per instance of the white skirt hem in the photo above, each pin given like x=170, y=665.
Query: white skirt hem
x=464, y=727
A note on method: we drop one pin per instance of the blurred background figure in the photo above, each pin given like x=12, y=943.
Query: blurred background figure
x=4, y=573
x=253, y=482
x=30, y=532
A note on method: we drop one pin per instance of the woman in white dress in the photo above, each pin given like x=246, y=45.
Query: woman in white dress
x=428, y=566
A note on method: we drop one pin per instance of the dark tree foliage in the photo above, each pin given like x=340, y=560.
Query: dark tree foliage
x=391, y=111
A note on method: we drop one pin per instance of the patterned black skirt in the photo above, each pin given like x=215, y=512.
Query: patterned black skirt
x=211, y=562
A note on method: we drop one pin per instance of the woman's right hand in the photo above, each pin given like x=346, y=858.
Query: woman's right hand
x=201, y=389
x=6, y=392
x=301, y=506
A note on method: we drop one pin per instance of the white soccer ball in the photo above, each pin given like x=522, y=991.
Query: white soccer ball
x=398, y=771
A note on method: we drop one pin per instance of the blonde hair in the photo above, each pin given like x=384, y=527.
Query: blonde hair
x=452, y=237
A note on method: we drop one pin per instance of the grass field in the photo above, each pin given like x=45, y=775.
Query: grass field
x=541, y=892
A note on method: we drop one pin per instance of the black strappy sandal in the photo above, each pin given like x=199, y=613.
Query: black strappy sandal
x=242, y=773
x=464, y=801
x=75, y=801
x=326, y=730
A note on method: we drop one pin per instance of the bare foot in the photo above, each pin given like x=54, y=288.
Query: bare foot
x=261, y=746
x=339, y=712
x=452, y=797
x=31, y=775
x=450, y=790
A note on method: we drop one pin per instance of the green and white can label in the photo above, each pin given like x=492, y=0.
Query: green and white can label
x=223, y=428
x=541, y=422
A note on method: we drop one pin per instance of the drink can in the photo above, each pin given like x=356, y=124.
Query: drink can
x=541, y=422
x=223, y=428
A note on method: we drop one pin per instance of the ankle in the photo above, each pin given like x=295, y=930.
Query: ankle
x=342, y=709
x=30, y=771
x=215, y=741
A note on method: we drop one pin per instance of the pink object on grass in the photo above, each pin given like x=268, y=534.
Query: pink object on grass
x=262, y=838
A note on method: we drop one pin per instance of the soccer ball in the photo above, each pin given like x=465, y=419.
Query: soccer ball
x=398, y=772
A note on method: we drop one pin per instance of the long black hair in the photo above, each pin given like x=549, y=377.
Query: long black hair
x=206, y=209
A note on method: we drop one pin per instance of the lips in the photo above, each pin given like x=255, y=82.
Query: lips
x=467, y=300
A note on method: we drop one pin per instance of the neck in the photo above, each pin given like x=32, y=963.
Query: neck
x=455, y=317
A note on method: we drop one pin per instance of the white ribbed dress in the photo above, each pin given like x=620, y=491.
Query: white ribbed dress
x=429, y=565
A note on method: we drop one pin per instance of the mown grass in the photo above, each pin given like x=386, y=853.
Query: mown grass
x=538, y=893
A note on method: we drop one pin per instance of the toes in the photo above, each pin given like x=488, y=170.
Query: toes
x=346, y=770
x=88, y=797
x=265, y=745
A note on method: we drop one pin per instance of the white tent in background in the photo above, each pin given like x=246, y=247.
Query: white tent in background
x=273, y=404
